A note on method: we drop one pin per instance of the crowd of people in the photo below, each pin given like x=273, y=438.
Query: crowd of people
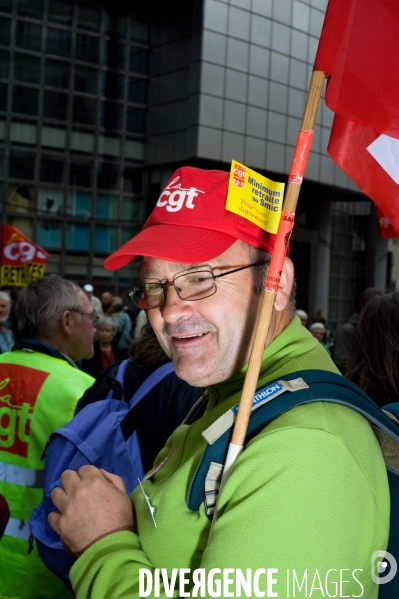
x=315, y=473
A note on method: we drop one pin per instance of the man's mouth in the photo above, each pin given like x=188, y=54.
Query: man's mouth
x=184, y=337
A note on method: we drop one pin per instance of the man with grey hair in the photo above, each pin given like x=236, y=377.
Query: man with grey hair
x=6, y=336
x=40, y=387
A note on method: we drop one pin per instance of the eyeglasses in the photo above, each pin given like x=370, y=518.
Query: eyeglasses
x=190, y=286
x=91, y=315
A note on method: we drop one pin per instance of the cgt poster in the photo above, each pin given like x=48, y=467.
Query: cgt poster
x=21, y=260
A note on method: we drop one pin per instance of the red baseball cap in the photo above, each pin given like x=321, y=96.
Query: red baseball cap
x=190, y=223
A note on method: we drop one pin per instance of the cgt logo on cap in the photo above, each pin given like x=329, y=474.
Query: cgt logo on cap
x=177, y=196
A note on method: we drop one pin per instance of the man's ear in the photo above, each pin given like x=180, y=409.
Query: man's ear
x=66, y=320
x=285, y=287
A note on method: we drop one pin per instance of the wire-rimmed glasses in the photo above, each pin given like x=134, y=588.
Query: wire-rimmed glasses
x=190, y=286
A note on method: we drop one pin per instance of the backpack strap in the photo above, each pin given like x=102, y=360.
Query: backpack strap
x=128, y=424
x=318, y=385
x=153, y=379
x=119, y=378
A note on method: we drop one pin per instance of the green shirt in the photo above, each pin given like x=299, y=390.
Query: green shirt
x=309, y=493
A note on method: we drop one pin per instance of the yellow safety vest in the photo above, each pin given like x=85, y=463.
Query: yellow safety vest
x=38, y=394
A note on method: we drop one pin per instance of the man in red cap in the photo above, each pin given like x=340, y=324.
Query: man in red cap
x=302, y=488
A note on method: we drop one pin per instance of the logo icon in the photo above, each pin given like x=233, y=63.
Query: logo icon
x=383, y=567
x=19, y=388
x=177, y=196
x=239, y=175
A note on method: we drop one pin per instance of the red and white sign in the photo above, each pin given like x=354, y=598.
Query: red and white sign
x=21, y=260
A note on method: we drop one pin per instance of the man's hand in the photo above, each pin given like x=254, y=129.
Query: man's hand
x=92, y=504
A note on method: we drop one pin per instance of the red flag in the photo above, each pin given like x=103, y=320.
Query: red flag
x=358, y=53
x=21, y=260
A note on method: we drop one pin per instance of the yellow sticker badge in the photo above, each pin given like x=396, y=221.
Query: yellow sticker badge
x=255, y=197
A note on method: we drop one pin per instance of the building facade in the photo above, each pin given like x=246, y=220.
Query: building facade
x=100, y=105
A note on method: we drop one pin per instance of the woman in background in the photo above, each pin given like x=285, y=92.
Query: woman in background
x=373, y=362
x=318, y=330
x=105, y=352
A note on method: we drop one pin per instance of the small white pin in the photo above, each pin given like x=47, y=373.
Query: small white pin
x=151, y=508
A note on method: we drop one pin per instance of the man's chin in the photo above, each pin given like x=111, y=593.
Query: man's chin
x=194, y=375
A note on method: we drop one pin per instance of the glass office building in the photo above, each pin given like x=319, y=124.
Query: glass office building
x=101, y=101
x=73, y=96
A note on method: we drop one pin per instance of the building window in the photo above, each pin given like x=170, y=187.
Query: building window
x=137, y=90
x=79, y=204
x=106, y=207
x=50, y=200
x=27, y=68
x=52, y=169
x=80, y=173
x=108, y=175
x=49, y=234
x=89, y=18
x=78, y=236
x=59, y=41
x=5, y=31
x=30, y=8
x=84, y=110
x=57, y=73
x=86, y=80
x=60, y=12
x=87, y=48
x=29, y=36
x=22, y=166
x=104, y=238
x=25, y=100
x=55, y=105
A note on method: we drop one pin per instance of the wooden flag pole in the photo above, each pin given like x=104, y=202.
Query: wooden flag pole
x=273, y=279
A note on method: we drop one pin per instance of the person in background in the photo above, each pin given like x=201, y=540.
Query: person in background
x=373, y=362
x=123, y=326
x=104, y=348
x=321, y=317
x=303, y=316
x=318, y=330
x=106, y=302
x=12, y=319
x=94, y=301
x=40, y=386
x=141, y=320
x=6, y=336
x=343, y=339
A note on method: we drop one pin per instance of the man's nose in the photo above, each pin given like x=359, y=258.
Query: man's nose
x=174, y=307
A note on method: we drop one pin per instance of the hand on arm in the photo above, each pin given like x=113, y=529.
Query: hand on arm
x=92, y=503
